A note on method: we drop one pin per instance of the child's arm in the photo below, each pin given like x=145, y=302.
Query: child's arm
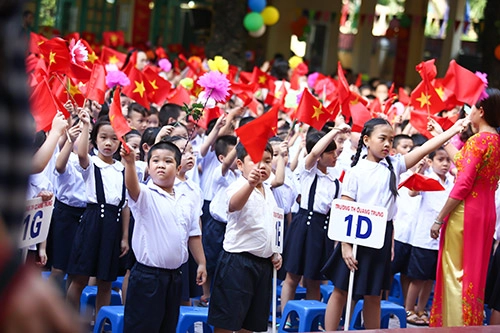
x=240, y=198
x=436, y=130
x=321, y=145
x=62, y=159
x=42, y=253
x=124, y=245
x=196, y=248
x=228, y=128
x=210, y=140
x=43, y=155
x=295, y=159
x=131, y=180
x=418, y=153
x=228, y=160
x=83, y=146
x=164, y=131
x=279, y=178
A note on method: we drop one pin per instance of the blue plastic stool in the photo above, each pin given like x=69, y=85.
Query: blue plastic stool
x=487, y=315
x=308, y=312
x=326, y=291
x=396, y=292
x=386, y=309
x=113, y=314
x=300, y=293
x=118, y=283
x=188, y=315
x=87, y=300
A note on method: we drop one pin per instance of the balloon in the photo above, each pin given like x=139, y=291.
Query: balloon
x=270, y=15
x=497, y=52
x=257, y=5
x=259, y=32
x=253, y=21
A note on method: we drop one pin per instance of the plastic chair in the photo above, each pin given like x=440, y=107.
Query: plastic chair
x=326, y=291
x=300, y=293
x=87, y=300
x=307, y=313
x=113, y=314
x=188, y=315
x=386, y=309
x=118, y=283
x=396, y=292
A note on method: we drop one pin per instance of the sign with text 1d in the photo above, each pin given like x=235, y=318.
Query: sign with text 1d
x=36, y=221
x=357, y=223
x=279, y=220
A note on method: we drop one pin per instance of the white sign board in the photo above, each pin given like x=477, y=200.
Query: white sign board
x=356, y=223
x=36, y=221
x=279, y=220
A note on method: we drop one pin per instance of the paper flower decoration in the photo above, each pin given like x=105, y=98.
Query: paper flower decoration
x=165, y=65
x=115, y=78
x=78, y=51
x=311, y=79
x=187, y=83
x=324, y=87
x=483, y=77
x=294, y=61
x=216, y=85
x=208, y=102
x=219, y=64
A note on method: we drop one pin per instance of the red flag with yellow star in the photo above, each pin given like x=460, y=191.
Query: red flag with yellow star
x=179, y=96
x=311, y=111
x=92, y=58
x=465, y=86
x=55, y=52
x=425, y=97
x=157, y=87
x=112, y=57
x=263, y=80
x=255, y=134
x=96, y=87
x=118, y=122
x=344, y=93
x=44, y=106
x=113, y=38
x=137, y=88
x=419, y=120
x=35, y=41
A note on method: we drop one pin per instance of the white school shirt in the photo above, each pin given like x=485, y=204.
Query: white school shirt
x=208, y=165
x=368, y=182
x=112, y=180
x=194, y=199
x=286, y=194
x=218, y=205
x=407, y=211
x=325, y=188
x=431, y=204
x=140, y=169
x=70, y=186
x=161, y=230
x=251, y=229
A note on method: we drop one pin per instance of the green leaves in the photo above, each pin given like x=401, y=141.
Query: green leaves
x=195, y=110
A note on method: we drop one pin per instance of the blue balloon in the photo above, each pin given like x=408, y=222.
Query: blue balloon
x=257, y=5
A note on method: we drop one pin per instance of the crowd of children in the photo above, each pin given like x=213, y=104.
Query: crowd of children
x=186, y=213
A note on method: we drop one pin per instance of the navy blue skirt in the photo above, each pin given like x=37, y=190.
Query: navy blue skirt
x=492, y=295
x=307, y=246
x=374, y=268
x=96, y=248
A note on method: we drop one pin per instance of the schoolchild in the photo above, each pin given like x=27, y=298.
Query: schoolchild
x=137, y=117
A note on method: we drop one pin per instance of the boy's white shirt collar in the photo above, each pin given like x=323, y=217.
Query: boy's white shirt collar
x=150, y=184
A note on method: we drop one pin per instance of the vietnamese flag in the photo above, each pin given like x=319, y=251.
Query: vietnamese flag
x=403, y=96
x=92, y=57
x=113, y=38
x=44, y=106
x=117, y=119
x=112, y=57
x=262, y=79
x=427, y=70
x=157, y=87
x=344, y=93
x=464, y=85
x=360, y=115
x=425, y=97
x=419, y=120
x=418, y=182
x=96, y=86
x=56, y=55
x=208, y=116
x=255, y=134
x=311, y=111
x=180, y=96
x=35, y=41
x=137, y=88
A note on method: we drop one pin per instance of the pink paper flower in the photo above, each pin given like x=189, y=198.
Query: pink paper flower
x=78, y=51
x=311, y=79
x=216, y=85
x=115, y=78
x=483, y=77
x=165, y=65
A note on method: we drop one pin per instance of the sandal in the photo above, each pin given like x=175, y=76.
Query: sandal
x=424, y=316
x=414, y=319
x=204, y=302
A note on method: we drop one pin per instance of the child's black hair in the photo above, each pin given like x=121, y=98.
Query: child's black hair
x=418, y=139
x=132, y=133
x=276, y=139
x=210, y=126
x=241, y=152
x=136, y=107
x=245, y=120
x=167, y=111
x=167, y=146
x=148, y=137
x=222, y=144
x=313, y=136
x=398, y=138
x=433, y=154
x=38, y=140
x=368, y=130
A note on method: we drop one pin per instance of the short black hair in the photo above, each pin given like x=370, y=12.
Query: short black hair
x=313, y=136
x=167, y=111
x=136, y=107
x=433, y=153
x=398, y=138
x=149, y=138
x=167, y=146
x=418, y=139
x=245, y=120
x=101, y=121
x=241, y=152
x=222, y=144
x=133, y=132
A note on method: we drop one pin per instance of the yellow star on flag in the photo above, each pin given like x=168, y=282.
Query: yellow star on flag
x=424, y=99
x=440, y=92
x=92, y=57
x=113, y=59
x=197, y=90
x=262, y=79
x=139, y=88
x=52, y=58
x=317, y=112
x=113, y=38
x=354, y=101
x=278, y=94
x=73, y=90
x=111, y=118
x=153, y=84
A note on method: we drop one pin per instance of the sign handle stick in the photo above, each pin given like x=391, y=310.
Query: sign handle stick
x=24, y=254
x=275, y=281
x=349, y=292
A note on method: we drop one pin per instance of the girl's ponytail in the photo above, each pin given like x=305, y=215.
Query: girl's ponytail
x=392, y=183
x=355, y=158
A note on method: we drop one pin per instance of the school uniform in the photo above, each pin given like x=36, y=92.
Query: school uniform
x=307, y=245
x=208, y=164
x=424, y=249
x=242, y=283
x=163, y=225
x=492, y=295
x=69, y=206
x=368, y=182
x=96, y=248
x=286, y=194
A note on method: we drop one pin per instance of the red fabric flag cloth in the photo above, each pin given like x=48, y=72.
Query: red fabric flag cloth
x=419, y=120
x=44, y=106
x=75, y=92
x=158, y=89
x=175, y=48
x=112, y=57
x=263, y=80
x=179, y=96
x=208, y=116
x=96, y=87
x=427, y=70
x=425, y=97
x=35, y=41
x=117, y=119
x=403, y=96
x=92, y=55
x=418, y=182
x=311, y=111
x=79, y=73
x=56, y=55
x=245, y=77
x=465, y=85
x=72, y=35
x=113, y=38
x=233, y=71
x=344, y=93
x=136, y=90
x=360, y=115
x=89, y=37
x=255, y=134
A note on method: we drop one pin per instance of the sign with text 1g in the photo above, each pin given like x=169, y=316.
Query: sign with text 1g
x=36, y=221
x=357, y=223
x=278, y=219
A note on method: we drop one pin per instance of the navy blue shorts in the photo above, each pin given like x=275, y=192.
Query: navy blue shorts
x=212, y=238
x=189, y=287
x=241, y=293
x=402, y=253
x=423, y=264
x=153, y=300
x=65, y=220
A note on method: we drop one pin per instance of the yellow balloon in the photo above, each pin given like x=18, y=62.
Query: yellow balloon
x=270, y=15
